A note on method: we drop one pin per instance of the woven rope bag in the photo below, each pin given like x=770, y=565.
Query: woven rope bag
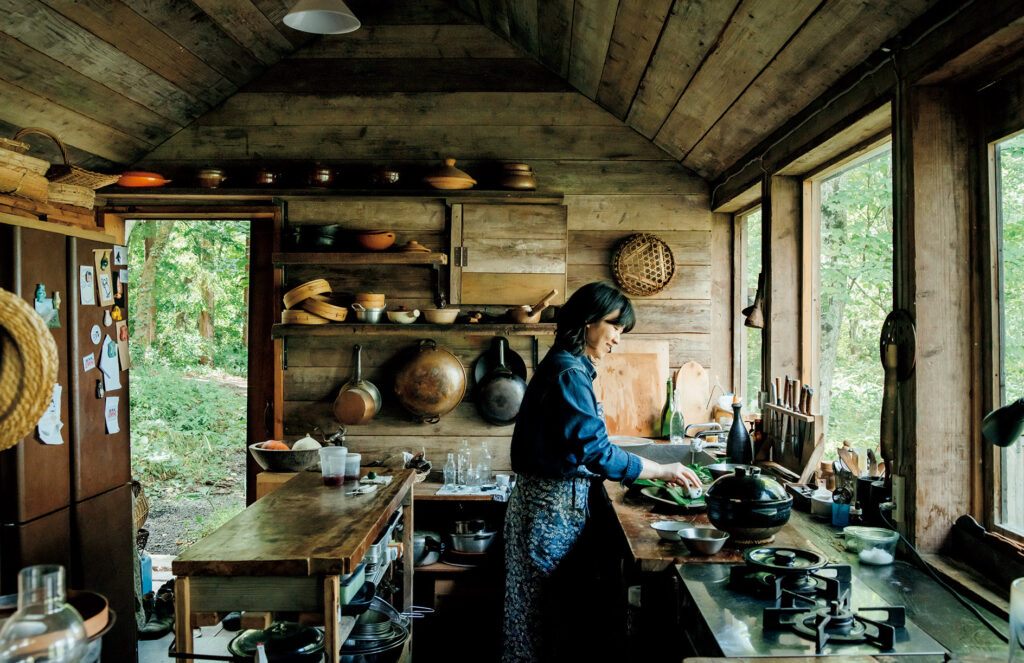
x=643, y=264
x=28, y=368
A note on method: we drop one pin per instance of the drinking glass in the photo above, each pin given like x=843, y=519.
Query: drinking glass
x=1017, y=620
x=332, y=465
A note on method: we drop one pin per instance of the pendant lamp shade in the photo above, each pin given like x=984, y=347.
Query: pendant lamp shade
x=322, y=17
x=1004, y=426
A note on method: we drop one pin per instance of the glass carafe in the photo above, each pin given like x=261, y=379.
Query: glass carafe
x=45, y=627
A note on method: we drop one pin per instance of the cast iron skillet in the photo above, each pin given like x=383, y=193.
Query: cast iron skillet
x=500, y=392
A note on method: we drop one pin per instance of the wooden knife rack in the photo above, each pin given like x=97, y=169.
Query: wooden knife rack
x=794, y=440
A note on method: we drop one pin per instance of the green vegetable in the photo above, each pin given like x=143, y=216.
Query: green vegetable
x=371, y=476
x=702, y=473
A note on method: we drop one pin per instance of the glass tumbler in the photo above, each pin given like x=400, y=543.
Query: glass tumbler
x=45, y=627
x=1017, y=620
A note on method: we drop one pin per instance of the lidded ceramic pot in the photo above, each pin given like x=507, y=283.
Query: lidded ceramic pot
x=449, y=177
x=748, y=505
x=517, y=176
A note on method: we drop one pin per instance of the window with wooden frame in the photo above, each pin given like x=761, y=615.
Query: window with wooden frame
x=1006, y=175
x=848, y=254
x=750, y=355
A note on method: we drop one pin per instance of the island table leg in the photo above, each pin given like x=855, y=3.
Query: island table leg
x=183, y=617
x=332, y=641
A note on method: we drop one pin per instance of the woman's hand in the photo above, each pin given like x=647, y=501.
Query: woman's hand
x=678, y=474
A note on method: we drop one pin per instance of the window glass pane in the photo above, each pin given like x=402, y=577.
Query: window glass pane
x=1010, y=181
x=856, y=294
x=753, y=361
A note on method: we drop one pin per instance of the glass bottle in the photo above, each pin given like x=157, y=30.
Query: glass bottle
x=449, y=471
x=666, y=411
x=737, y=445
x=484, y=464
x=462, y=464
x=42, y=609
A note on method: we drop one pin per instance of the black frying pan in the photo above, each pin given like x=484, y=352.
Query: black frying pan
x=488, y=361
x=500, y=392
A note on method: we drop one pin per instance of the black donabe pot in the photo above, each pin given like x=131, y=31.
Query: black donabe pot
x=749, y=506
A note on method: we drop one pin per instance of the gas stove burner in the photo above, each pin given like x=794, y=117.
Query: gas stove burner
x=782, y=574
x=837, y=623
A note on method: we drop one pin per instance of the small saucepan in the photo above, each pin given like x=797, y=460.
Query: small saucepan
x=358, y=400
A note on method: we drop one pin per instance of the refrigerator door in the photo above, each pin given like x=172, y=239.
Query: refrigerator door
x=45, y=540
x=100, y=460
x=102, y=539
x=34, y=477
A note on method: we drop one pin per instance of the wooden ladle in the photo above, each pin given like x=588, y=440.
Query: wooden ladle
x=531, y=314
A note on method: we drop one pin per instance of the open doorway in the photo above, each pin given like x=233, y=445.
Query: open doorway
x=189, y=323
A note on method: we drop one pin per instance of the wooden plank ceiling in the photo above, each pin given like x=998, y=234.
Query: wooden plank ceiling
x=115, y=78
x=704, y=80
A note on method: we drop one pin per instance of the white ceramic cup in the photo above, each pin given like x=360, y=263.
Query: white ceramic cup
x=503, y=480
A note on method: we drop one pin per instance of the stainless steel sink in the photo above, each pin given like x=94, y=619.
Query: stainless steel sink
x=672, y=453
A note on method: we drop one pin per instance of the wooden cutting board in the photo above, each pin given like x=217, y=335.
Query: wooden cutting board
x=693, y=385
x=631, y=385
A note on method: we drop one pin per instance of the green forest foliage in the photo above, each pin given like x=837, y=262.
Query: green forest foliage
x=1011, y=194
x=187, y=422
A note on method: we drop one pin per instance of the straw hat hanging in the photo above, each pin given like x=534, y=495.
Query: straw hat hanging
x=28, y=368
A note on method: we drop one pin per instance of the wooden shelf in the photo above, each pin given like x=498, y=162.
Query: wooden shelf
x=414, y=329
x=376, y=258
x=442, y=567
x=115, y=195
x=426, y=491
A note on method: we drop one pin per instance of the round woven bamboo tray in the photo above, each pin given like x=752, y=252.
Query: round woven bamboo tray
x=643, y=264
x=322, y=306
x=293, y=317
x=303, y=292
x=28, y=368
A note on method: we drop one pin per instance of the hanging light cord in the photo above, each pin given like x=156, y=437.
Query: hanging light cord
x=928, y=567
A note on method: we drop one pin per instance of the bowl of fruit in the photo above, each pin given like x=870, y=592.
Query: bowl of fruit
x=276, y=456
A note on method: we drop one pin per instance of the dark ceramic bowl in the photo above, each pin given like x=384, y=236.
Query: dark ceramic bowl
x=279, y=460
x=749, y=506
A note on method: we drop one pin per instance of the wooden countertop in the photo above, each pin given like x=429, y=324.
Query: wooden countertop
x=301, y=529
x=635, y=514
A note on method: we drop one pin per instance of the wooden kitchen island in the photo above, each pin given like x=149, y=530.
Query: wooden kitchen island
x=288, y=551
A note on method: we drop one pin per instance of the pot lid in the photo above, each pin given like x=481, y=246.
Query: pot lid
x=747, y=484
x=280, y=639
x=450, y=172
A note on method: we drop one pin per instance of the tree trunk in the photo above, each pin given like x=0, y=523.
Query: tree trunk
x=245, y=299
x=206, y=315
x=145, y=318
x=831, y=323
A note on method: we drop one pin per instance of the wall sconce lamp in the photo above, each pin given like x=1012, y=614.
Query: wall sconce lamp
x=1003, y=426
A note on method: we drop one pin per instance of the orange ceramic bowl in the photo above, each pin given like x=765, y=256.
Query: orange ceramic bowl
x=376, y=240
x=138, y=178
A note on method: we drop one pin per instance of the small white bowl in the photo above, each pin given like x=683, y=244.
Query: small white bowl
x=440, y=316
x=669, y=529
x=403, y=317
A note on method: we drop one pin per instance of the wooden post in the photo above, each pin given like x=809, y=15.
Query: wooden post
x=781, y=221
x=934, y=280
x=332, y=636
x=182, y=617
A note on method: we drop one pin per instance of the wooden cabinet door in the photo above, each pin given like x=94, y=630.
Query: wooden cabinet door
x=514, y=253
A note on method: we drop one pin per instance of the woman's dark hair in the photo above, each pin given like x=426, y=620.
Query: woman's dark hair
x=590, y=304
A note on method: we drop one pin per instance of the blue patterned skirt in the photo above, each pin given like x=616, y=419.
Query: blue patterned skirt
x=543, y=524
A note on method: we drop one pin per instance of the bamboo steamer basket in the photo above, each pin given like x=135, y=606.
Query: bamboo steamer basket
x=301, y=293
x=322, y=306
x=293, y=317
x=11, y=156
x=28, y=368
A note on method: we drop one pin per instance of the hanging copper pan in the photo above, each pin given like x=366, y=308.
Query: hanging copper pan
x=431, y=382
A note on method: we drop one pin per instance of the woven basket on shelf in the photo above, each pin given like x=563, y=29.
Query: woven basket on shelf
x=28, y=368
x=643, y=264
x=12, y=155
x=21, y=182
x=67, y=173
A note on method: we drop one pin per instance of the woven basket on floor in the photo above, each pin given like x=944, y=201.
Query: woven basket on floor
x=28, y=368
x=67, y=173
x=140, y=506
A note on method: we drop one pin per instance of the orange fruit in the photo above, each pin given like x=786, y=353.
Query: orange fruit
x=277, y=445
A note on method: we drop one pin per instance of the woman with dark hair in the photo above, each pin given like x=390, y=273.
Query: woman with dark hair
x=561, y=454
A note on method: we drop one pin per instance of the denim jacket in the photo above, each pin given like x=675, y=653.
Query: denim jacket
x=560, y=429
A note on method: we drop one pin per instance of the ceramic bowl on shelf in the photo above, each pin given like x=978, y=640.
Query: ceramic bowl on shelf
x=403, y=317
x=449, y=177
x=440, y=316
x=375, y=240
